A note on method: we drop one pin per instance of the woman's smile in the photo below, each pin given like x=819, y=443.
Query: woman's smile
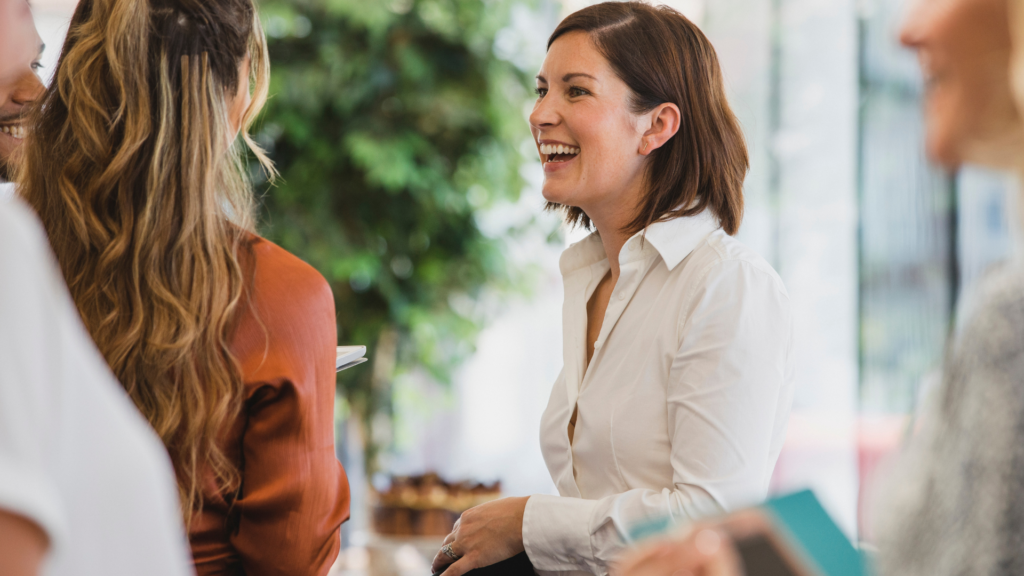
x=557, y=156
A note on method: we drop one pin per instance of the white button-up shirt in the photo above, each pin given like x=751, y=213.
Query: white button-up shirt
x=683, y=408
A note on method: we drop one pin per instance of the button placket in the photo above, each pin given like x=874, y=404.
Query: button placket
x=632, y=271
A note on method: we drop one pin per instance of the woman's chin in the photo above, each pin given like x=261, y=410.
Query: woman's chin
x=556, y=194
x=942, y=148
x=561, y=189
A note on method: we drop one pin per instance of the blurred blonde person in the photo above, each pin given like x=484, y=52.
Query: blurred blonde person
x=225, y=342
x=86, y=487
x=678, y=368
x=954, y=506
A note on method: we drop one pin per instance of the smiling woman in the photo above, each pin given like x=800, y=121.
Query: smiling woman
x=678, y=373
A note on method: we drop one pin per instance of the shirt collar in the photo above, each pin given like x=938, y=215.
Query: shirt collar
x=672, y=239
x=675, y=239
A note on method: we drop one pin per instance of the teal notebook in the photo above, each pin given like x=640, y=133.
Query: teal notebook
x=803, y=520
x=807, y=522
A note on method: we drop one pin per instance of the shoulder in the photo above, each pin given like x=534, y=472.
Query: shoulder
x=721, y=260
x=284, y=284
x=287, y=329
x=272, y=260
x=994, y=329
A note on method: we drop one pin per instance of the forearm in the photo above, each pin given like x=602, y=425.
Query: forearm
x=573, y=534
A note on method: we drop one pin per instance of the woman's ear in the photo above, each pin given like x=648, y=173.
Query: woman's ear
x=665, y=119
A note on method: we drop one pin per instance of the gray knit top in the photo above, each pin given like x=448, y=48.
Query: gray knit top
x=955, y=504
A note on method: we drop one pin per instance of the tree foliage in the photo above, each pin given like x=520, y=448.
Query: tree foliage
x=392, y=125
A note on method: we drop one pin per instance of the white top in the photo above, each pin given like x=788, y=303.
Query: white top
x=683, y=410
x=76, y=457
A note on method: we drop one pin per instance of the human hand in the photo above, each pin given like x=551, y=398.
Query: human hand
x=705, y=551
x=484, y=535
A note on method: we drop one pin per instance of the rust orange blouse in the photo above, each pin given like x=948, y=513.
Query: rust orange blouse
x=294, y=493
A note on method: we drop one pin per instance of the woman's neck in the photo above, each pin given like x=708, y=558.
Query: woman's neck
x=613, y=240
x=611, y=222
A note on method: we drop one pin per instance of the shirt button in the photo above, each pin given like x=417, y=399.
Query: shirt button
x=597, y=345
x=622, y=295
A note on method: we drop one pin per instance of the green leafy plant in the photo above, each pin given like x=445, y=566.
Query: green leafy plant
x=393, y=124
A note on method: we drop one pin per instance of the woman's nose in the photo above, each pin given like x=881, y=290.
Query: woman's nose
x=544, y=114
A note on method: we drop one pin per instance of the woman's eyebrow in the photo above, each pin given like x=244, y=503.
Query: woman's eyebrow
x=572, y=75
x=567, y=77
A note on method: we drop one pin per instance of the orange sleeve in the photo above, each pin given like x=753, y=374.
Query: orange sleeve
x=294, y=494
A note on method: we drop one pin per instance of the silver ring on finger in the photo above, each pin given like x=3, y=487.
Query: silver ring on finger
x=447, y=549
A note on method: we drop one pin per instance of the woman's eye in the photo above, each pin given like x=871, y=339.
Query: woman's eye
x=37, y=66
x=541, y=92
x=575, y=91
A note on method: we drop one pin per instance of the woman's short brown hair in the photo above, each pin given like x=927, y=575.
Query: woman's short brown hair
x=663, y=57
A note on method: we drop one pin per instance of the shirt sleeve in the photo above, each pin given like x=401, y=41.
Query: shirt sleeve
x=729, y=389
x=29, y=329
x=295, y=493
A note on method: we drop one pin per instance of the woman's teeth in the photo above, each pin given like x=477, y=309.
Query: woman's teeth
x=552, y=149
x=13, y=131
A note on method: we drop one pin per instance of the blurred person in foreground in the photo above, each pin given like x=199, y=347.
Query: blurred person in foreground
x=21, y=88
x=678, y=377
x=86, y=487
x=225, y=342
x=954, y=505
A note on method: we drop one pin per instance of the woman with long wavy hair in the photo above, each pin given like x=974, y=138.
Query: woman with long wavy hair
x=224, y=341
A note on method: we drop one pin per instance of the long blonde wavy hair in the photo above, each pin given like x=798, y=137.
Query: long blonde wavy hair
x=136, y=173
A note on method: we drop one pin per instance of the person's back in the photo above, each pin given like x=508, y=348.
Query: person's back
x=285, y=345
x=76, y=459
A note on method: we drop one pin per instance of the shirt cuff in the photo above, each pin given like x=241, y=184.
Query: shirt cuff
x=556, y=533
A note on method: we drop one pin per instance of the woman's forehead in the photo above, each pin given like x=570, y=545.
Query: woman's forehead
x=574, y=54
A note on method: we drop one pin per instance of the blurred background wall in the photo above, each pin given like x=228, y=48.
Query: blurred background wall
x=410, y=181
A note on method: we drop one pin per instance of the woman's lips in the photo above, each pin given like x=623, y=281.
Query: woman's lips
x=551, y=167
